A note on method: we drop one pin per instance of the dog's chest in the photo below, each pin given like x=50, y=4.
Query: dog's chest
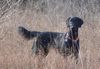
x=68, y=42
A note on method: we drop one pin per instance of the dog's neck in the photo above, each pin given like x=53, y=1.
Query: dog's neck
x=73, y=34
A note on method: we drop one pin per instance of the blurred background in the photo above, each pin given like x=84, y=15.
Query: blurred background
x=48, y=15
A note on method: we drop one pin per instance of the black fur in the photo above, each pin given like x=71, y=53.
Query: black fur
x=66, y=43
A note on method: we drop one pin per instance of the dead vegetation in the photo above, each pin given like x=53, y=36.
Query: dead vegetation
x=48, y=15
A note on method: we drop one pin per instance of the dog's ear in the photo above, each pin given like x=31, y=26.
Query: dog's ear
x=81, y=22
x=67, y=21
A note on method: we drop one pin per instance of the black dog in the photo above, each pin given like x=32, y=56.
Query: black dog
x=66, y=43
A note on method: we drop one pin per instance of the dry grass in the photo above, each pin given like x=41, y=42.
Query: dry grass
x=47, y=15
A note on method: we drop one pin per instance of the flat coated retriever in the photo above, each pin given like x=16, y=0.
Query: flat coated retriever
x=66, y=43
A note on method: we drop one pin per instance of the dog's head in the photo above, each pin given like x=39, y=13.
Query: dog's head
x=74, y=22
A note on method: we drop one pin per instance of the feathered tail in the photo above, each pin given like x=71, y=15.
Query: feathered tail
x=26, y=33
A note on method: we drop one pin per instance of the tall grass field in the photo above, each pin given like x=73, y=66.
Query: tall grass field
x=48, y=15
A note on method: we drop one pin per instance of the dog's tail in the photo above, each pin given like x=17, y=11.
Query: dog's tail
x=26, y=33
